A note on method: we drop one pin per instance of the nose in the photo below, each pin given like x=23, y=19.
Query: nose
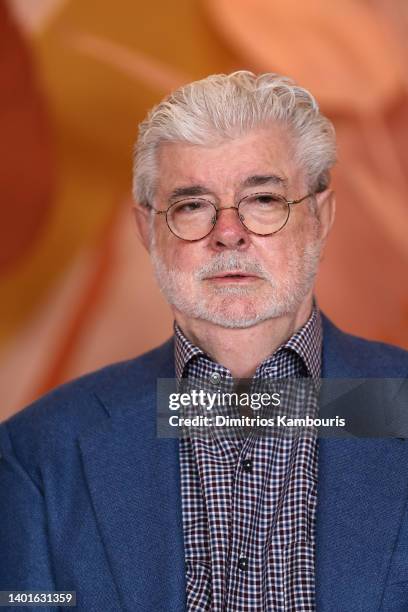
x=228, y=232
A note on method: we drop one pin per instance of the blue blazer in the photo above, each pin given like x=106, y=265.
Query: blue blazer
x=90, y=497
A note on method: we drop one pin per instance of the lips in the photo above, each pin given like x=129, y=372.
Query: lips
x=233, y=276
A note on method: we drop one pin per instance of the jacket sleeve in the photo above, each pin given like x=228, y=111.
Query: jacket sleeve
x=24, y=556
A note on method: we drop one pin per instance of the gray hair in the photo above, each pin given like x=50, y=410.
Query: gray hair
x=224, y=106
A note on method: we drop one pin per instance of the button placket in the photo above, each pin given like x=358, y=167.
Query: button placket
x=240, y=542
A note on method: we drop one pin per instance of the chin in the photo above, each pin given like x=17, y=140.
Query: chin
x=240, y=313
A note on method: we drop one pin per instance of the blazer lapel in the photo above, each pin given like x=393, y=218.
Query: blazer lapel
x=362, y=492
x=133, y=479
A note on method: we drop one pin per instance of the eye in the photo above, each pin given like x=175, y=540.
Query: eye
x=190, y=206
x=265, y=199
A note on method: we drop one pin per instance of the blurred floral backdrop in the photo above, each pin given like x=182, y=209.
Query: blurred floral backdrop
x=76, y=77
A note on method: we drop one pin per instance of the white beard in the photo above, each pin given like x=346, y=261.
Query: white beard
x=236, y=306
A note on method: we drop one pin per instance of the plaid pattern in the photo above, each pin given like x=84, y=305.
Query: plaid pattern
x=249, y=504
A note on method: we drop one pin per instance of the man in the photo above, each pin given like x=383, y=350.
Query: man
x=233, y=203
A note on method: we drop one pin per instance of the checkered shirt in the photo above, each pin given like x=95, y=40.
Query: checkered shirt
x=249, y=504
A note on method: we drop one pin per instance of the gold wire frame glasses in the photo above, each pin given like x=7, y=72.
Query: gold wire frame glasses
x=262, y=213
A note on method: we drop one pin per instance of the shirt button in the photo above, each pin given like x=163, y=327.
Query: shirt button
x=243, y=564
x=247, y=465
x=215, y=378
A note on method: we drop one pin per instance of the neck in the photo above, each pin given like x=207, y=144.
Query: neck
x=242, y=350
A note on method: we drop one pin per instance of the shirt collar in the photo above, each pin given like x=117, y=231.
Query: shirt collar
x=306, y=343
x=184, y=351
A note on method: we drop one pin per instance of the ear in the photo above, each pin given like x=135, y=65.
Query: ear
x=326, y=209
x=143, y=224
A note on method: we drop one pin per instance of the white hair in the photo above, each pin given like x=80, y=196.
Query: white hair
x=224, y=106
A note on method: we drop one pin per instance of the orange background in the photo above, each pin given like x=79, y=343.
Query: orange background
x=76, y=77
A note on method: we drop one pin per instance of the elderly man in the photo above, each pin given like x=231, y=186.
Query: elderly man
x=234, y=206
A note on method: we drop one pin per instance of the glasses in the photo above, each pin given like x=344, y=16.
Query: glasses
x=262, y=214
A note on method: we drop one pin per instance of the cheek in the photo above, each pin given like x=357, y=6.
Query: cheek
x=163, y=240
x=282, y=254
x=187, y=257
x=275, y=253
x=177, y=254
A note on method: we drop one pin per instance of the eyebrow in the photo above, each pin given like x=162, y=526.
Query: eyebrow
x=191, y=190
x=251, y=181
x=262, y=179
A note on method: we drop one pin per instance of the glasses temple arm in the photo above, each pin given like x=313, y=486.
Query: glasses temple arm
x=150, y=207
x=309, y=195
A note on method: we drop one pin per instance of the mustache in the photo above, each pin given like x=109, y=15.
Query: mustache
x=222, y=263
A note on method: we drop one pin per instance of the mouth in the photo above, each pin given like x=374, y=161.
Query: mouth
x=237, y=277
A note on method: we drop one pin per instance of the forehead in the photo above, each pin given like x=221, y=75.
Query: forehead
x=227, y=164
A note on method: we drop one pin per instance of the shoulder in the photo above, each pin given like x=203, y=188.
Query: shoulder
x=54, y=421
x=348, y=355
